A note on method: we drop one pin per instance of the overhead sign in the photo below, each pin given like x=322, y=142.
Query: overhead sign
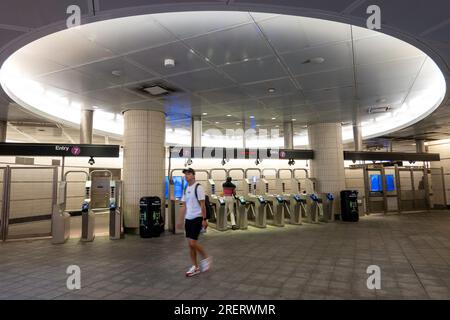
x=59, y=150
x=239, y=153
x=390, y=156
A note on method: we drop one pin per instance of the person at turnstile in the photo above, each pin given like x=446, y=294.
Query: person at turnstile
x=229, y=192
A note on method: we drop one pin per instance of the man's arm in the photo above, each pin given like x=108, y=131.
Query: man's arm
x=203, y=207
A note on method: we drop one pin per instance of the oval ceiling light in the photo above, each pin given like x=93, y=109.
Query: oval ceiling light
x=252, y=117
x=228, y=115
x=294, y=119
x=204, y=114
x=274, y=118
x=271, y=90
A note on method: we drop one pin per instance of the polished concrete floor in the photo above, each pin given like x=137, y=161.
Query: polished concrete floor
x=326, y=261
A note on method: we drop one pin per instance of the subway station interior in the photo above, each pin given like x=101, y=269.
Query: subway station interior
x=331, y=117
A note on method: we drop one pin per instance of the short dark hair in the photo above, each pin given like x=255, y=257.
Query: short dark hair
x=229, y=179
x=189, y=170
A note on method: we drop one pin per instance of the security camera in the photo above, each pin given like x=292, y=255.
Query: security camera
x=257, y=161
x=91, y=161
x=223, y=162
x=189, y=162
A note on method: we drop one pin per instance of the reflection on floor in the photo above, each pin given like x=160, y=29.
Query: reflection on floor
x=326, y=261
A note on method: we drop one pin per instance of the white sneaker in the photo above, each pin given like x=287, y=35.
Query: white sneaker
x=192, y=271
x=205, y=264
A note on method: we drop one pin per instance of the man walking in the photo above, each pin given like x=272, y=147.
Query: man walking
x=229, y=191
x=193, y=212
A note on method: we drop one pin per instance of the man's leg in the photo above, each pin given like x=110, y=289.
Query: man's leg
x=201, y=250
x=193, y=252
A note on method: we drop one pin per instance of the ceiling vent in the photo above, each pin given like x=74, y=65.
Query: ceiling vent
x=373, y=110
x=156, y=90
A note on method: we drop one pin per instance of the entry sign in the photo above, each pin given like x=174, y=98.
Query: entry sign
x=61, y=150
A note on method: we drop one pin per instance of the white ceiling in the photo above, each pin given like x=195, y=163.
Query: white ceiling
x=307, y=92
x=225, y=65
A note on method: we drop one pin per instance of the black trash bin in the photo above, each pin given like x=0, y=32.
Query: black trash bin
x=349, y=205
x=151, y=221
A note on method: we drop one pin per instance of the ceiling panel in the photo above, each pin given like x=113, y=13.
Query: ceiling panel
x=381, y=87
x=201, y=80
x=336, y=56
x=72, y=49
x=224, y=95
x=74, y=81
x=122, y=36
x=114, y=96
x=260, y=89
x=185, y=25
x=327, y=79
x=153, y=59
x=227, y=46
x=382, y=49
x=128, y=72
x=389, y=70
x=343, y=94
x=288, y=100
x=255, y=70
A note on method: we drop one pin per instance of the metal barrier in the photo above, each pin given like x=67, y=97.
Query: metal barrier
x=25, y=216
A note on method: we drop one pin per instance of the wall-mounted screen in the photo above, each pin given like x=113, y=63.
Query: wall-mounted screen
x=376, y=183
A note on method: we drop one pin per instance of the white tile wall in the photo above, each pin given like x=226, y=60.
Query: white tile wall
x=144, y=160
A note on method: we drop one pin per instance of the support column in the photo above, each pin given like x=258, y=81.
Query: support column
x=327, y=167
x=420, y=146
x=86, y=124
x=3, y=129
x=196, y=131
x=143, y=160
x=357, y=137
x=288, y=134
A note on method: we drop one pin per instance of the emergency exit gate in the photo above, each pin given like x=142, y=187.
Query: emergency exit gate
x=403, y=189
x=28, y=195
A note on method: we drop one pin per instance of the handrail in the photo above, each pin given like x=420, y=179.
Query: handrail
x=302, y=169
x=101, y=170
x=75, y=171
x=281, y=170
x=255, y=169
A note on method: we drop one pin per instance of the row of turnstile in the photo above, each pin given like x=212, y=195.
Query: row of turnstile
x=263, y=201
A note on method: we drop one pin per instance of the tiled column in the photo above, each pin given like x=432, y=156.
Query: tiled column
x=143, y=160
x=325, y=139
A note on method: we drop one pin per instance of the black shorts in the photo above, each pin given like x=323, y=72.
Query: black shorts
x=193, y=228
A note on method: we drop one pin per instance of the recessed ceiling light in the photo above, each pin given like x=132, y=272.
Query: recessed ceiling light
x=274, y=118
x=217, y=122
x=169, y=63
x=245, y=60
x=258, y=125
x=237, y=123
x=316, y=60
x=204, y=113
x=116, y=73
x=294, y=119
x=228, y=115
x=252, y=117
x=271, y=90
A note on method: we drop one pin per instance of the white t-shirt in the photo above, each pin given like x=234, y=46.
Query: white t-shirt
x=193, y=209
